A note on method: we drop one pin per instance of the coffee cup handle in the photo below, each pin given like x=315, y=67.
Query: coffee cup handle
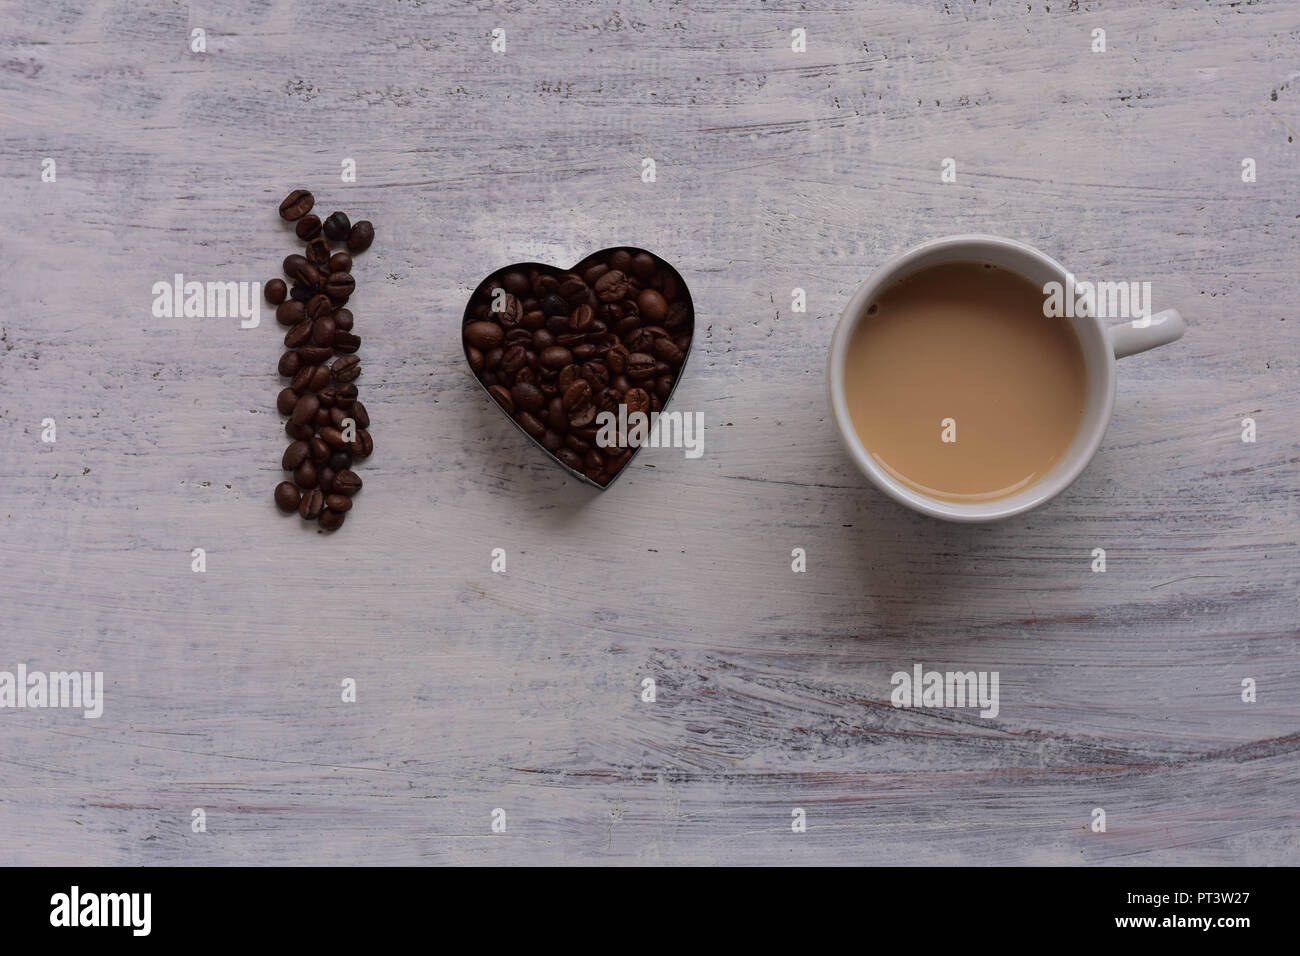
x=1142, y=334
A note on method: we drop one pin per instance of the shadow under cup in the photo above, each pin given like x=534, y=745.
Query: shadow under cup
x=1098, y=363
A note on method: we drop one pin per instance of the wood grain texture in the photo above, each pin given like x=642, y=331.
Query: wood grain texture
x=775, y=170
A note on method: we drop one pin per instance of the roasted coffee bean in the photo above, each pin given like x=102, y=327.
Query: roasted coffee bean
x=554, y=304
x=616, y=359
x=301, y=293
x=308, y=227
x=305, y=411
x=322, y=416
x=666, y=351
x=502, y=396
x=347, y=482
x=296, y=205
x=484, y=335
x=556, y=357
x=312, y=503
x=343, y=320
x=611, y=286
x=578, y=404
x=664, y=386
x=298, y=432
x=363, y=446
x=527, y=398
x=360, y=415
x=552, y=441
x=513, y=359
x=315, y=354
x=596, y=373
x=346, y=368
x=319, y=306
x=475, y=359
x=338, y=503
x=582, y=317
x=339, y=285
x=346, y=342
x=295, y=455
x=337, y=226
x=640, y=366
x=361, y=236
x=275, y=290
x=338, y=415
x=287, y=497
x=332, y=437
x=570, y=458
x=637, y=400
x=292, y=263
x=304, y=476
x=643, y=266
x=531, y=424
x=340, y=395
x=331, y=520
x=340, y=262
x=576, y=442
x=286, y=400
x=298, y=335
x=302, y=379
x=318, y=253
x=322, y=331
x=325, y=479
x=302, y=272
x=290, y=362
x=291, y=312
x=318, y=451
x=340, y=460
x=320, y=377
x=652, y=305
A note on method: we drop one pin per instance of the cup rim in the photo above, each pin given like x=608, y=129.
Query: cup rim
x=1046, y=488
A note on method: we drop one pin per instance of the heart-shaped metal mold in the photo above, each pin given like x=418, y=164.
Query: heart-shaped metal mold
x=534, y=333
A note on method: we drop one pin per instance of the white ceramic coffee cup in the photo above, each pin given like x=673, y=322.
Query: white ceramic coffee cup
x=1102, y=345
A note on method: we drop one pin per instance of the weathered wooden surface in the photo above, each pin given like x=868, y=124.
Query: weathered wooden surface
x=476, y=690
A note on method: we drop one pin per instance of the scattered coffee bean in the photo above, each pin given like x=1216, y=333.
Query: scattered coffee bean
x=321, y=400
x=315, y=354
x=304, y=476
x=295, y=455
x=308, y=227
x=306, y=409
x=290, y=312
x=346, y=368
x=361, y=236
x=287, y=497
x=312, y=503
x=337, y=227
x=296, y=205
x=347, y=482
x=346, y=342
x=339, y=285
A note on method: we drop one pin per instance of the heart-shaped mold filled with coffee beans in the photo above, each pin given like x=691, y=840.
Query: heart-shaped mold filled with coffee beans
x=556, y=347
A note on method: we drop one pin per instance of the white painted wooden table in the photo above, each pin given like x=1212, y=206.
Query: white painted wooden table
x=521, y=691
